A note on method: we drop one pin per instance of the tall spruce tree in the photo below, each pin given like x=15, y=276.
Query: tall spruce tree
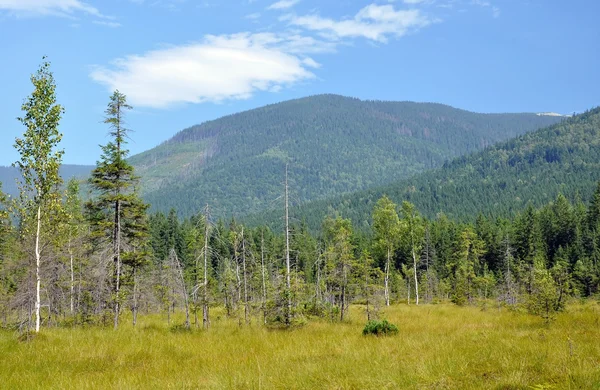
x=39, y=164
x=117, y=211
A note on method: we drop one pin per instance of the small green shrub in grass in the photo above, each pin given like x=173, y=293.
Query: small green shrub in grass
x=380, y=328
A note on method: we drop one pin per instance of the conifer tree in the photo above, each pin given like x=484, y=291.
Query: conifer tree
x=73, y=231
x=117, y=212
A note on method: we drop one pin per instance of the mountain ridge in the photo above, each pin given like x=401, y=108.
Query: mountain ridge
x=500, y=180
x=335, y=144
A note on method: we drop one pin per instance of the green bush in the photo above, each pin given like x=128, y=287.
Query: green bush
x=380, y=328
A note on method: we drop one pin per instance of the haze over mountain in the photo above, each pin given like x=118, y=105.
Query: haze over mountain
x=8, y=176
x=501, y=180
x=333, y=145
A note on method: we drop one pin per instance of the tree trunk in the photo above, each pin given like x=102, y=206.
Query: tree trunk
x=72, y=276
x=205, y=315
x=246, y=309
x=183, y=289
x=117, y=260
x=135, y=302
x=386, y=290
x=416, y=279
x=367, y=290
x=264, y=285
x=288, y=313
x=37, y=270
x=344, y=284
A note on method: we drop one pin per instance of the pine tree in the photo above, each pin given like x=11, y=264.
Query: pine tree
x=117, y=211
x=470, y=249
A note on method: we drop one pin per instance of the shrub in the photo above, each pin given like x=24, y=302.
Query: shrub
x=380, y=328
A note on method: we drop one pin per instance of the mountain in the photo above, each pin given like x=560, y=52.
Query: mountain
x=8, y=175
x=498, y=181
x=333, y=145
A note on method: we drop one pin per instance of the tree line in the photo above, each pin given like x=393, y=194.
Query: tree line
x=65, y=261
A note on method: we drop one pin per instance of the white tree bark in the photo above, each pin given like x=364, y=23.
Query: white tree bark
x=205, y=318
x=386, y=290
x=416, y=279
x=37, y=269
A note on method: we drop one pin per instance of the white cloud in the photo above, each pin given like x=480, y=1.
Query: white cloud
x=412, y=1
x=374, y=22
x=253, y=16
x=216, y=69
x=107, y=23
x=283, y=4
x=48, y=7
x=311, y=63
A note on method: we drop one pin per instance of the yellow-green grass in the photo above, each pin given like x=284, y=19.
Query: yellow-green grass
x=438, y=347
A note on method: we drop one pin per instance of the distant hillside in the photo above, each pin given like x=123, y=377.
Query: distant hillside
x=333, y=144
x=67, y=171
x=501, y=180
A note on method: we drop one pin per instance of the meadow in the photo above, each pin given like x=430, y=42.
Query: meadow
x=438, y=347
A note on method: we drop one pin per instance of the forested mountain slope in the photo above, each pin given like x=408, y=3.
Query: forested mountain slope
x=333, y=145
x=67, y=171
x=501, y=180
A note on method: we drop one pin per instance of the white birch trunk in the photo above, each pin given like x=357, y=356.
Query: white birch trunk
x=205, y=318
x=416, y=279
x=37, y=270
x=72, y=279
x=386, y=290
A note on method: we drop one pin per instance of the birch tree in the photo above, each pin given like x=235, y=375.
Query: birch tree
x=39, y=163
x=413, y=229
x=387, y=226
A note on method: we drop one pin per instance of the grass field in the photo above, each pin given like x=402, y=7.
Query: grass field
x=438, y=347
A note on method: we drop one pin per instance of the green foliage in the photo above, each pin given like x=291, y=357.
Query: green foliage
x=544, y=299
x=380, y=328
x=499, y=181
x=40, y=158
x=333, y=145
x=117, y=215
x=339, y=260
x=114, y=182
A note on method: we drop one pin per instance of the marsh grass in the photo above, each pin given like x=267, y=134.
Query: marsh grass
x=438, y=347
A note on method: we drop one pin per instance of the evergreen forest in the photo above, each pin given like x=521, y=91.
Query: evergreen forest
x=69, y=260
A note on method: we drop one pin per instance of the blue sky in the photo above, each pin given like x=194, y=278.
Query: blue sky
x=182, y=62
